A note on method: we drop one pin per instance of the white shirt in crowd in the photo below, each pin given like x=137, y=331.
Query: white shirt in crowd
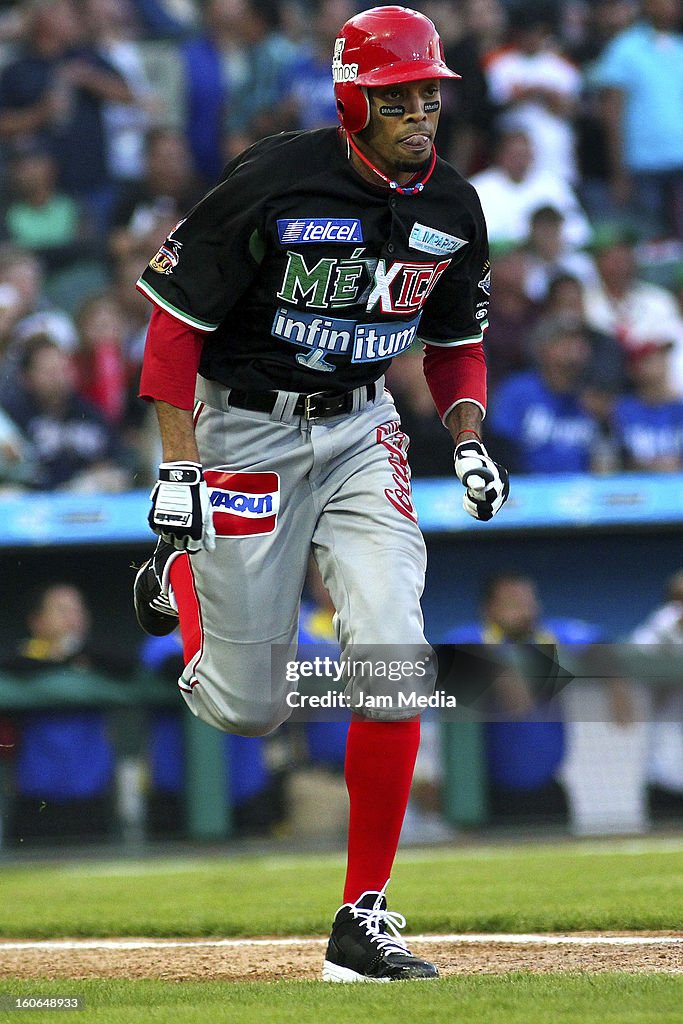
x=508, y=205
x=646, y=312
x=551, y=135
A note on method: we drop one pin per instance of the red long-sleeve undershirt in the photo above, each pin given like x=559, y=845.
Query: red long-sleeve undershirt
x=171, y=360
x=455, y=373
x=173, y=349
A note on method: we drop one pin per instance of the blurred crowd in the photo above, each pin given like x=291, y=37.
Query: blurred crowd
x=117, y=115
x=599, y=753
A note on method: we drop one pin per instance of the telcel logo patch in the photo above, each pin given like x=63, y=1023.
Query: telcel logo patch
x=320, y=229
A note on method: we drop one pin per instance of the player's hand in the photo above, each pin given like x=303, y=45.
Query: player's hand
x=181, y=512
x=487, y=484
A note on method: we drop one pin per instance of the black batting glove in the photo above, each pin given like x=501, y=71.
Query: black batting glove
x=487, y=484
x=181, y=512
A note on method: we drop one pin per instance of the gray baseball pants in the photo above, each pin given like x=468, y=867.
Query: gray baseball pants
x=282, y=486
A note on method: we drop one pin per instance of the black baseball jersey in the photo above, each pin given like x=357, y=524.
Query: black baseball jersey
x=306, y=277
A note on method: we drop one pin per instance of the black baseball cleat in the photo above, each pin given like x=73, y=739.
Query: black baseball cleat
x=365, y=945
x=153, y=607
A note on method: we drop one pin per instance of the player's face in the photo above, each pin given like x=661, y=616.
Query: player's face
x=403, y=121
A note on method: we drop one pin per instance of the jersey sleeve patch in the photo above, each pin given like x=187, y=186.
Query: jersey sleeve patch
x=428, y=239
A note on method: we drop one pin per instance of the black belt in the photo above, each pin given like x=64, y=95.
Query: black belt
x=312, y=407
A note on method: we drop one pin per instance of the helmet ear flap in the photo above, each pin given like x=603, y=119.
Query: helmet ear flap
x=353, y=107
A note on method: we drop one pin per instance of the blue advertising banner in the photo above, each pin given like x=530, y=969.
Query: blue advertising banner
x=572, y=501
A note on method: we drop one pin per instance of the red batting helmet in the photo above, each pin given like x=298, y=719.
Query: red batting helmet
x=382, y=46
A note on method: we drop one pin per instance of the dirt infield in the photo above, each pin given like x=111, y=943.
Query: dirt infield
x=277, y=959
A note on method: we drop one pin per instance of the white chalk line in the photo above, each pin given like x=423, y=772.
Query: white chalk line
x=465, y=939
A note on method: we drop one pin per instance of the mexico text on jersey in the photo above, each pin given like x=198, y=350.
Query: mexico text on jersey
x=299, y=270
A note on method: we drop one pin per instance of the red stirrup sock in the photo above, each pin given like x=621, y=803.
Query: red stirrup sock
x=182, y=581
x=380, y=758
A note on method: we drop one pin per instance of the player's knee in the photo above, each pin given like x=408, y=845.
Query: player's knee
x=240, y=719
x=256, y=724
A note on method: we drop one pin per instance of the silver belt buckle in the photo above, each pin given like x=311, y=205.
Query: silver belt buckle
x=309, y=414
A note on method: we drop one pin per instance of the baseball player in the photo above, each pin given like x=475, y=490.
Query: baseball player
x=280, y=301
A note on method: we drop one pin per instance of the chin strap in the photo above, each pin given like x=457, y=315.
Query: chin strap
x=404, y=190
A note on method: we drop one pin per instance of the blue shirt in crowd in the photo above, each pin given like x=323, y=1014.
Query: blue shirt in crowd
x=552, y=432
x=648, y=67
x=520, y=755
x=649, y=432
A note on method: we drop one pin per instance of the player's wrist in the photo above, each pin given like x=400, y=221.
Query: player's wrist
x=181, y=471
x=466, y=431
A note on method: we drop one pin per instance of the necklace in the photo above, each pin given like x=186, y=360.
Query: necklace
x=404, y=190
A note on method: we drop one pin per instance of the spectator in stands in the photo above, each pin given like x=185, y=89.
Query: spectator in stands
x=620, y=304
x=10, y=310
x=607, y=369
x=663, y=628
x=109, y=373
x=38, y=216
x=15, y=463
x=135, y=307
x=525, y=749
x=536, y=743
x=641, y=75
x=23, y=272
x=114, y=26
x=310, y=90
x=138, y=431
x=237, y=77
x=599, y=24
x=539, y=419
x=548, y=255
x=604, y=19
x=56, y=90
x=73, y=446
x=513, y=315
x=167, y=19
x=147, y=210
x=216, y=68
x=259, y=107
x=537, y=89
x=469, y=112
x=419, y=419
x=510, y=190
x=65, y=759
x=103, y=369
x=649, y=422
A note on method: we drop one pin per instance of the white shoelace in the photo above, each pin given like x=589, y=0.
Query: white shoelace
x=374, y=919
x=165, y=602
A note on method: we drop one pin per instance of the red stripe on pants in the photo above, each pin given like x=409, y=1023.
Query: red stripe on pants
x=189, y=612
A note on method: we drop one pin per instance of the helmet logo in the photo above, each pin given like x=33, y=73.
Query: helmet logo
x=342, y=72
